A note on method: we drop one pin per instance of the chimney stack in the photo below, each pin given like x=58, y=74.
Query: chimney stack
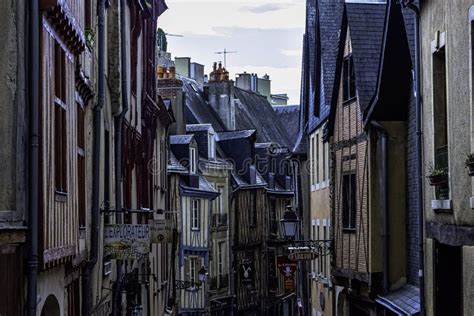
x=221, y=95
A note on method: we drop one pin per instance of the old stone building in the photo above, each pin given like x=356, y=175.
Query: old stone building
x=446, y=54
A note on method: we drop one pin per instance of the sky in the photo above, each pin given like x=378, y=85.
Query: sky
x=267, y=35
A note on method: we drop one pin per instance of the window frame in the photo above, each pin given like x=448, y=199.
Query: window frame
x=195, y=214
x=349, y=212
x=349, y=89
x=192, y=160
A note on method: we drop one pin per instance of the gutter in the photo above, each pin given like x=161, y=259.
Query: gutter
x=87, y=289
x=419, y=150
x=33, y=97
x=116, y=310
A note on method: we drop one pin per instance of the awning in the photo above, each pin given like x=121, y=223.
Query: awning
x=403, y=301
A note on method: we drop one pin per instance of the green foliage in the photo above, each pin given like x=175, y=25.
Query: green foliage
x=437, y=171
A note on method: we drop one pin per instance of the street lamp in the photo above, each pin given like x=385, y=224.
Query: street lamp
x=202, y=275
x=289, y=223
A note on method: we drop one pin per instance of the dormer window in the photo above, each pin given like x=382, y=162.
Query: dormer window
x=212, y=145
x=192, y=160
x=348, y=77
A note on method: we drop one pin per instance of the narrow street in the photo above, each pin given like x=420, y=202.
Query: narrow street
x=235, y=157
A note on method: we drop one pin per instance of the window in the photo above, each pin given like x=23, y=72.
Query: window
x=316, y=157
x=81, y=166
x=195, y=214
x=312, y=162
x=192, y=160
x=60, y=119
x=348, y=77
x=323, y=160
x=253, y=209
x=349, y=201
x=192, y=270
x=440, y=111
x=212, y=146
x=314, y=237
x=220, y=259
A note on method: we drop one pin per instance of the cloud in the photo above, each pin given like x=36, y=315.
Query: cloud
x=291, y=52
x=264, y=8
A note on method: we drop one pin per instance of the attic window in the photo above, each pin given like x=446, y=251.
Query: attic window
x=192, y=160
x=211, y=145
x=348, y=77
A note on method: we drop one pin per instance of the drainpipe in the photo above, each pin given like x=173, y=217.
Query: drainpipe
x=118, y=149
x=87, y=290
x=419, y=150
x=33, y=97
x=383, y=176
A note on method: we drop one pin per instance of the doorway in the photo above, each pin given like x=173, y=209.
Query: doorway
x=448, y=280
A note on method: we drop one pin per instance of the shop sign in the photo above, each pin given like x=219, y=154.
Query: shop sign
x=126, y=241
x=159, y=233
x=286, y=266
x=303, y=256
x=246, y=271
x=289, y=284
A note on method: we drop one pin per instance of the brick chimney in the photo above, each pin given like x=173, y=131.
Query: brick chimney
x=169, y=87
x=221, y=95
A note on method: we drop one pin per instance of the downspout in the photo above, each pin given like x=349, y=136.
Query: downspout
x=87, y=290
x=118, y=149
x=383, y=186
x=419, y=150
x=33, y=97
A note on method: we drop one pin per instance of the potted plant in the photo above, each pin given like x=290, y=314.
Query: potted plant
x=437, y=176
x=470, y=164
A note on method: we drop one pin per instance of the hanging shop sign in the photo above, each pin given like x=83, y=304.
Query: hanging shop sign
x=159, y=233
x=303, y=256
x=246, y=271
x=286, y=266
x=126, y=241
x=289, y=284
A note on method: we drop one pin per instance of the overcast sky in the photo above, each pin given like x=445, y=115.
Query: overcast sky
x=267, y=35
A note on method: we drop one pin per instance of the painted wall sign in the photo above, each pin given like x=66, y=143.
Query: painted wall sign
x=286, y=266
x=159, y=233
x=303, y=256
x=126, y=241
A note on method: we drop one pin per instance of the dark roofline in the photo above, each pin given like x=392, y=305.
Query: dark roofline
x=337, y=79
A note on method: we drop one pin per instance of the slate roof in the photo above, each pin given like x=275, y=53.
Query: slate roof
x=235, y=134
x=330, y=20
x=366, y=26
x=174, y=166
x=289, y=117
x=403, y=301
x=181, y=139
x=198, y=127
x=241, y=183
x=255, y=112
x=197, y=109
x=204, y=186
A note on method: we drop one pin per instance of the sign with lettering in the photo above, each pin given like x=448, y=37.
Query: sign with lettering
x=246, y=271
x=303, y=256
x=126, y=241
x=289, y=284
x=159, y=233
x=286, y=266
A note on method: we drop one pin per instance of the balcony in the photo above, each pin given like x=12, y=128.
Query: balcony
x=219, y=220
x=68, y=18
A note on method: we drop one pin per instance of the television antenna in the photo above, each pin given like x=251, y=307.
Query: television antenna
x=225, y=52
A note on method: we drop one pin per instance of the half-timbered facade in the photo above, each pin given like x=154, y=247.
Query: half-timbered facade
x=193, y=196
x=368, y=131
